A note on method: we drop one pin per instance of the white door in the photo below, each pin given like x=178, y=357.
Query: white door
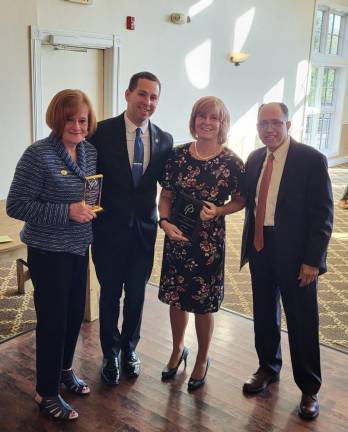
x=74, y=69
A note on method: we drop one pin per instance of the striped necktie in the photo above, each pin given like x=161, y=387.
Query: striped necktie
x=138, y=160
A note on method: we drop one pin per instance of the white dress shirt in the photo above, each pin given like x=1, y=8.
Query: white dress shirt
x=145, y=136
x=278, y=167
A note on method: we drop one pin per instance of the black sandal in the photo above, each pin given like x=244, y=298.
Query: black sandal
x=74, y=384
x=56, y=408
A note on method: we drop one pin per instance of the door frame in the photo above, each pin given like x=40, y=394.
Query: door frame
x=109, y=43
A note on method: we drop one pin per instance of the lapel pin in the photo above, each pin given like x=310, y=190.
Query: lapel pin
x=64, y=172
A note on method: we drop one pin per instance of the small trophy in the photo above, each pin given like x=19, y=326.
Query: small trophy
x=186, y=215
x=92, y=194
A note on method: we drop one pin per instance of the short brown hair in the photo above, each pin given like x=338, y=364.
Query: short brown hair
x=206, y=104
x=133, y=82
x=66, y=103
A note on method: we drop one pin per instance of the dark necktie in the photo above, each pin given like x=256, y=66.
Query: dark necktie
x=138, y=160
x=261, y=203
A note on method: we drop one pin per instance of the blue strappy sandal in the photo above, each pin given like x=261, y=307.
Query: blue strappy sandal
x=56, y=408
x=73, y=383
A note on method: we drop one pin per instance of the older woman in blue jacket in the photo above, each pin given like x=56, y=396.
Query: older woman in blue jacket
x=47, y=193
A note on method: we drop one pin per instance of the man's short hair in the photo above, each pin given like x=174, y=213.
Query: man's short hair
x=283, y=107
x=133, y=82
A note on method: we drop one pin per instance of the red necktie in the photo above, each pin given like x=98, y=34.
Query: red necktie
x=261, y=203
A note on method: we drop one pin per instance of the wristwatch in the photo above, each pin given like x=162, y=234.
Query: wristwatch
x=161, y=220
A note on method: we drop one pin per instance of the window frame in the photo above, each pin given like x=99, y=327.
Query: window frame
x=320, y=59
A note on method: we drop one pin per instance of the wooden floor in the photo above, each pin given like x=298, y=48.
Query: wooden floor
x=148, y=404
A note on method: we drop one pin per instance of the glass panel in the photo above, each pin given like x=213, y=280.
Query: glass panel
x=324, y=86
x=328, y=85
x=333, y=34
x=313, y=86
x=308, y=130
x=318, y=29
x=337, y=25
x=334, y=45
x=323, y=130
x=322, y=140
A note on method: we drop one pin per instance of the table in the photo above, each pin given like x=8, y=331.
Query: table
x=16, y=249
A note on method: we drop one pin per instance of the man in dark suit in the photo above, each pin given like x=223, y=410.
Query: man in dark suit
x=131, y=154
x=288, y=224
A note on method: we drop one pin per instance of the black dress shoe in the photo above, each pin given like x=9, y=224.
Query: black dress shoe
x=259, y=381
x=131, y=364
x=195, y=384
x=168, y=373
x=309, y=407
x=110, y=372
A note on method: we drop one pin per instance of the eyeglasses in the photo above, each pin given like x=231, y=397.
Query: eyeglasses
x=275, y=124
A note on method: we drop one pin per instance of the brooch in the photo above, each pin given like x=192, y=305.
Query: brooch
x=64, y=172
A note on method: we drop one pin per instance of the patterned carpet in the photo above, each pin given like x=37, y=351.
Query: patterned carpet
x=333, y=286
x=17, y=313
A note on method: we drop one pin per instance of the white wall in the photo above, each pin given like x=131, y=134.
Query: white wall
x=15, y=98
x=190, y=59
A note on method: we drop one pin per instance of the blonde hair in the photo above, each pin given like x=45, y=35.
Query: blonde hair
x=206, y=104
x=66, y=103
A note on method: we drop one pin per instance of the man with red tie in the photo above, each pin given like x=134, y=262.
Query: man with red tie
x=287, y=229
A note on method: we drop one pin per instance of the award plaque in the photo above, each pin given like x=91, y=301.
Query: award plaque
x=186, y=215
x=92, y=194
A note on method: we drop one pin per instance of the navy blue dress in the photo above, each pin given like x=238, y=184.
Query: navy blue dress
x=192, y=276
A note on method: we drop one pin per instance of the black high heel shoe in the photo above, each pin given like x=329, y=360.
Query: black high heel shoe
x=56, y=408
x=195, y=384
x=73, y=383
x=168, y=373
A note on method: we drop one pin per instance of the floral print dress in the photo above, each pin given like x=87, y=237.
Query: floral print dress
x=192, y=276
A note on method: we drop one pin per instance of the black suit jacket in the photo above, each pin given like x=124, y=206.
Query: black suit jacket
x=120, y=200
x=304, y=209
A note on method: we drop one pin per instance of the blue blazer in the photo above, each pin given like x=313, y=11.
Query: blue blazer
x=304, y=209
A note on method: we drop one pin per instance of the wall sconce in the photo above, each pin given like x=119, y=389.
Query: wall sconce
x=179, y=18
x=238, y=57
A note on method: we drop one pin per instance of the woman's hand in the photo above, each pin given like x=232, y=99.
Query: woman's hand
x=172, y=231
x=81, y=213
x=209, y=211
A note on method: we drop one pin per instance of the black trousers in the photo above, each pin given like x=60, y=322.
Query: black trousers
x=59, y=281
x=122, y=263
x=301, y=311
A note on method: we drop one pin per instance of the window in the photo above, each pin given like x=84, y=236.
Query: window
x=328, y=31
x=320, y=107
x=323, y=111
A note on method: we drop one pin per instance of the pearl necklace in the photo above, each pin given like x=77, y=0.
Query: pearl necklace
x=206, y=157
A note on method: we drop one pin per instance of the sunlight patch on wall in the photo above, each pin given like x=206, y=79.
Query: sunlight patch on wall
x=197, y=64
x=199, y=7
x=340, y=236
x=242, y=29
x=301, y=81
x=276, y=93
x=242, y=136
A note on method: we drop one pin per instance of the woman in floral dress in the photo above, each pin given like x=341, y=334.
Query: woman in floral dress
x=192, y=277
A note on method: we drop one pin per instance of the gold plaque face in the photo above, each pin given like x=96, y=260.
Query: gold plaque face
x=92, y=193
